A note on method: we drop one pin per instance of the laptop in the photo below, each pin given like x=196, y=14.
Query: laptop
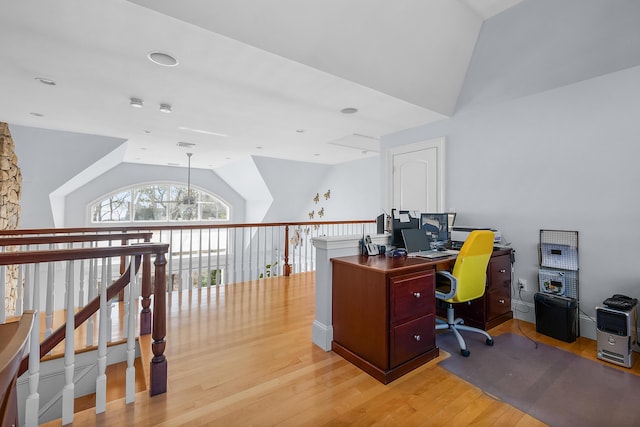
x=416, y=242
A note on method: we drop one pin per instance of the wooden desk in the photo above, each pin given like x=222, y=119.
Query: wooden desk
x=384, y=312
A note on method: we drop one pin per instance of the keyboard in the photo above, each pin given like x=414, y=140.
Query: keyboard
x=433, y=254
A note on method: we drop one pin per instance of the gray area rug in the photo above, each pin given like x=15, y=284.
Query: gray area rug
x=552, y=385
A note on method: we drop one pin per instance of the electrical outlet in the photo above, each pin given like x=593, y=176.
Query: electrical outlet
x=523, y=284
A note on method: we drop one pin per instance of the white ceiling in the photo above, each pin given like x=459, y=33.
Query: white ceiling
x=264, y=78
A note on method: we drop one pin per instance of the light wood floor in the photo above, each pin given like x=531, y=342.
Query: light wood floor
x=241, y=355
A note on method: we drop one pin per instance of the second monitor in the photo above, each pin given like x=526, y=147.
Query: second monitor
x=436, y=225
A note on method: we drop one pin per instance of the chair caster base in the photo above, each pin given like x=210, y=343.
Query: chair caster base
x=465, y=352
x=489, y=342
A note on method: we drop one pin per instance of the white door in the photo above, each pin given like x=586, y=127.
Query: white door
x=418, y=176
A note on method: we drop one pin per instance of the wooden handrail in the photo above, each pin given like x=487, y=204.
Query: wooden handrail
x=194, y=226
x=31, y=257
x=73, y=238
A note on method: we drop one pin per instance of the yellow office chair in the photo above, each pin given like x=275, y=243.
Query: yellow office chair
x=467, y=282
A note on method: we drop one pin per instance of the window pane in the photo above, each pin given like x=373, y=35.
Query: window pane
x=160, y=203
x=149, y=205
x=114, y=208
x=182, y=207
x=214, y=211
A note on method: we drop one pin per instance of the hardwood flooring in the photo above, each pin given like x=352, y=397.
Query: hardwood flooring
x=241, y=355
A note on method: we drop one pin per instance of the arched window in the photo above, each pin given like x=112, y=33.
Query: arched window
x=159, y=202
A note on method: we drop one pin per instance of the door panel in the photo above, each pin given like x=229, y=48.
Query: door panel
x=418, y=177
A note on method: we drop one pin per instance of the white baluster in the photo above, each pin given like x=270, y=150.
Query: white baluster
x=131, y=352
x=49, y=301
x=32, y=405
x=81, y=291
x=107, y=283
x=3, y=286
x=67, y=271
x=180, y=263
x=91, y=296
x=68, y=392
x=19, y=291
x=169, y=284
x=190, y=285
x=126, y=308
x=101, y=381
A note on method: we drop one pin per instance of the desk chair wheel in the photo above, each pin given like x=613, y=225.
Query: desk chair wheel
x=465, y=352
x=489, y=342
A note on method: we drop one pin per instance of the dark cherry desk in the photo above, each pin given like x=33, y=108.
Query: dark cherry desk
x=384, y=312
x=384, y=309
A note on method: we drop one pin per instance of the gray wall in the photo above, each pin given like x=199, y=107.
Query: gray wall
x=355, y=192
x=563, y=155
x=47, y=159
x=127, y=175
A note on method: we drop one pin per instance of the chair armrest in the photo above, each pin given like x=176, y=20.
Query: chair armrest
x=452, y=290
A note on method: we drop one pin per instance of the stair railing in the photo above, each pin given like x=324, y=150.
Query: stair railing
x=203, y=255
x=139, y=254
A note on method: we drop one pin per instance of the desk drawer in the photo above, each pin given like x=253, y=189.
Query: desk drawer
x=412, y=295
x=412, y=338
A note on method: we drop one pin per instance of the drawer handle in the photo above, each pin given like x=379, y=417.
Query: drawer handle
x=417, y=294
x=416, y=337
x=503, y=271
x=501, y=301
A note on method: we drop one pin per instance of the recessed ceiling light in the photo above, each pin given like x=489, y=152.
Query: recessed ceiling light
x=300, y=130
x=349, y=110
x=165, y=108
x=37, y=114
x=173, y=164
x=316, y=154
x=163, y=59
x=47, y=82
x=147, y=131
x=135, y=102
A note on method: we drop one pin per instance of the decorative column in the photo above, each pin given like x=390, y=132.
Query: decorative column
x=10, y=189
x=327, y=248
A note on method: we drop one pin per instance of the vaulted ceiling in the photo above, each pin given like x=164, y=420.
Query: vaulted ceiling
x=254, y=77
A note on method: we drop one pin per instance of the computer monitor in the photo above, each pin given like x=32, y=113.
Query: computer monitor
x=452, y=219
x=436, y=225
x=401, y=220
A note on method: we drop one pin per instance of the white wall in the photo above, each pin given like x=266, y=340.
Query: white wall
x=564, y=158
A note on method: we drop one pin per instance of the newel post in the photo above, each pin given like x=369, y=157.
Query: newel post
x=286, y=268
x=158, y=371
x=145, y=293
